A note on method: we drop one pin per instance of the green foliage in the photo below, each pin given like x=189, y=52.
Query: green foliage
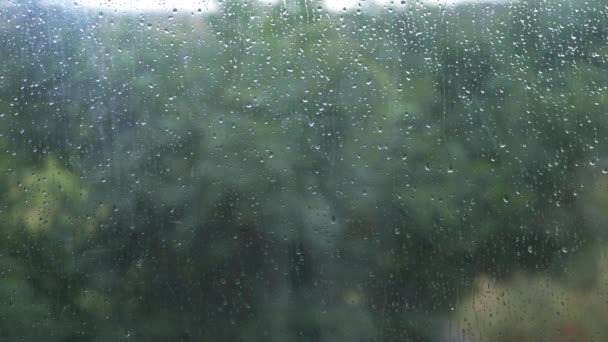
x=264, y=173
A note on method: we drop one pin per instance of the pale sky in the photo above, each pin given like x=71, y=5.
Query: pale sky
x=210, y=5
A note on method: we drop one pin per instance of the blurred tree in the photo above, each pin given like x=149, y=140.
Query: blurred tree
x=288, y=173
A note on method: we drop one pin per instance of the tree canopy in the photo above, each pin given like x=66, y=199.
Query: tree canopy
x=283, y=172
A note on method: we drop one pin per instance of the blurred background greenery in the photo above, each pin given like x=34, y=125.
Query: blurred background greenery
x=284, y=172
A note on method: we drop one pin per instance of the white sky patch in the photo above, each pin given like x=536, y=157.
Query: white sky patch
x=143, y=5
x=212, y=5
x=338, y=5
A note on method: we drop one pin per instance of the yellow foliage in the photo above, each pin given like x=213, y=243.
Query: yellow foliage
x=42, y=197
x=535, y=308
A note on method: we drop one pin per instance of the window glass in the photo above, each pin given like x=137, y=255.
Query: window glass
x=304, y=170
